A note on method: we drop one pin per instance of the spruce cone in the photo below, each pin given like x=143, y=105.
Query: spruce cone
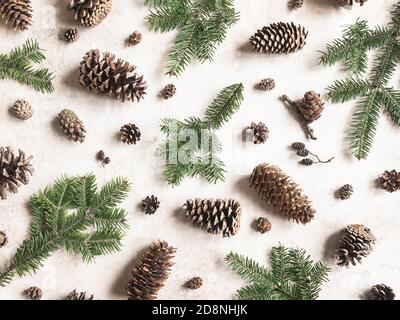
x=390, y=181
x=279, y=38
x=105, y=76
x=135, y=38
x=130, y=134
x=266, y=84
x=71, y=35
x=3, y=239
x=311, y=106
x=72, y=126
x=74, y=295
x=22, y=110
x=14, y=170
x=345, y=192
x=381, y=292
x=296, y=4
x=356, y=242
x=279, y=191
x=150, y=274
x=216, y=215
x=168, y=91
x=263, y=225
x=349, y=3
x=150, y=204
x=18, y=13
x=260, y=132
x=90, y=12
x=194, y=283
x=33, y=293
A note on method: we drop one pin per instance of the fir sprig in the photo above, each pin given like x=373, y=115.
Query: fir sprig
x=72, y=215
x=202, y=25
x=191, y=148
x=18, y=66
x=293, y=276
x=372, y=92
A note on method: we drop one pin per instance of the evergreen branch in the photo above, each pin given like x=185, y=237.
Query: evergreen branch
x=348, y=89
x=174, y=173
x=113, y=193
x=167, y=19
x=115, y=217
x=391, y=102
x=279, y=262
x=105, y=241
x=256, y=292
x=212, y=170
x=28, y=52
x=384, y=66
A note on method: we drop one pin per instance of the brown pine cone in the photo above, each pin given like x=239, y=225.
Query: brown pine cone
x=135, y=38
x=17, y=13
x=74, y=295
x=263, y=225
x=33, y=293
x=90, y=12
x=168, y=91
x=72, y=126
x=296, y=4
x=390, y=181
x=345, y=192
x=350, y=3
x=71, y=35
x=130, y=134
x=381, y=292
x=311, y=106
x=22, y=110
x=194, y=283
x=260, y=132
x=266, y=84
x=150, y=204
x=3, y=239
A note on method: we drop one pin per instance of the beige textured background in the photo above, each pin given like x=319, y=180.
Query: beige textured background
x=198, y=252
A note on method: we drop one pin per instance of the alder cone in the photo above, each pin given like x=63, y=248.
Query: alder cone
x=75, y=295
x=215, y=215
x=150, y=274
x=284, y=195
x=107, y=76
x=381, y=292
x=90, y=12
x=17, y=13
x=279, y=37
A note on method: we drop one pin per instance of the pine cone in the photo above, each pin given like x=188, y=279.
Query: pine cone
x=266, y=84
x=150, y=204
x=150, y=274
x=71, y=35
x=216, y=215
x=22, y=110
x=279, y=38
x=168, y=91
x=74, y=295
x=356, y=242
x=14, y=170
x=296, y=4
x=105, y=76
x=72, y=126
x=345, y=192
x=17, y=12
x=194, y=283
x=135, y=38
x=381, y=292
x=390, y=181
x=311, y=106
x=279, y=191
x=260, y=132
x=33, y=293
x=349, y=3
x=130, y=134
x=3, y=239
x=263, y=225
x=90, y=12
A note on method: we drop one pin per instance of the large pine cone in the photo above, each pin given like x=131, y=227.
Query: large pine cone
x=311, y=106
x=381, y=292
x=72, y=126
x=90, y=12
x=215, y=215
x=279, y=38
x=390, y=181
x=283, y=194
x=14, y=170
x=356, y=242
x=105, y=76
x=18, y=13
x=150, y=274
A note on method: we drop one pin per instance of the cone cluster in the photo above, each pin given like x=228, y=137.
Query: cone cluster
x=72, y=126
x=17, y=13
x=90, y=12
x=281, y=193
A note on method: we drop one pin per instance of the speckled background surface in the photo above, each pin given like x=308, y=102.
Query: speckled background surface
x=198, y=252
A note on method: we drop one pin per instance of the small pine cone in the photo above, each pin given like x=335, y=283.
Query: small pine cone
x=15, y=169
x=263, y=225
x=135, y=38
x=22, y=110
x=90, y=12
x=114, y=78
x=17, y=13
x=279, y=38
x=3, y=239
x=194, y=283
x=381, y=292
x=71, y=35
x=298, y=146
x=356, y=242
x=72, y=126
x=307, y=162
x=296, y=4
x=74, y=295
x=279, y=191
x=260, y=132
x=130, y=134
x=33, y=293
x=150, y=204
x=311, y=106
x=349, y=3
x=345, y=192
x=266, y=84
x=168, y=91
x=150, y=274
x=215, y=215
x=390, y=181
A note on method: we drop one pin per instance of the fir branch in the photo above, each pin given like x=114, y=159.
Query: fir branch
x=348, y=89
x=391, y=103
x=165, y=19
